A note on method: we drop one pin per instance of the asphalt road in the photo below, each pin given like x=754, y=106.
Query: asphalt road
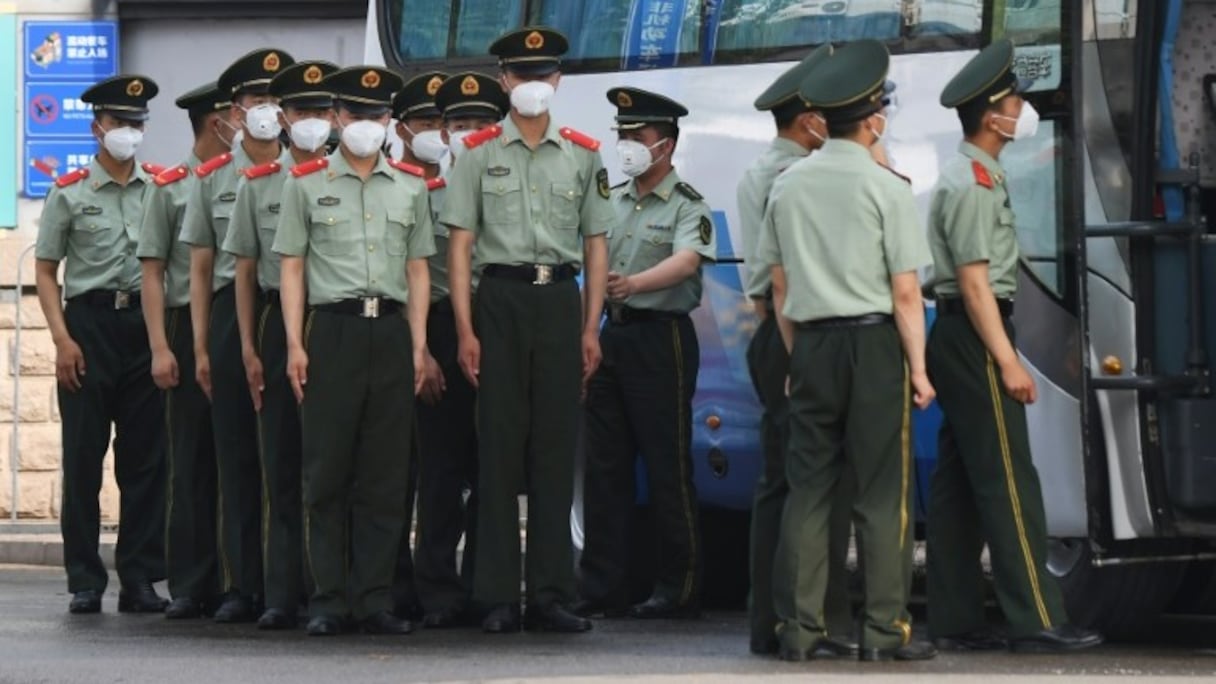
x=41, y=642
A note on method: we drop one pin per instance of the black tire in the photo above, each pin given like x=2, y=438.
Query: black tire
x=1196, y=594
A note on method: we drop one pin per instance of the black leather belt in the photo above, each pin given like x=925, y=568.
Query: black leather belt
x=443, y=306
x=364, y=307
x=108, y=299
x=619, y=314
x=845, y=322
x=272, y=297
x=954, y=306
x=537, y=274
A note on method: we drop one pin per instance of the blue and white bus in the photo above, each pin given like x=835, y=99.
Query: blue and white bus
x=1124, y=431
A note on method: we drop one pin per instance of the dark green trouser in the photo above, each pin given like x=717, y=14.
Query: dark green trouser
x=405, y=589
x=236, y=453
x=116, y=389
x=190, y=550
x=447, y=437
x=985, y=489
x=355, y=418
x=769, y=365
x=527, y=417
x=640, y=401
x=849, y=409
x=279, y=432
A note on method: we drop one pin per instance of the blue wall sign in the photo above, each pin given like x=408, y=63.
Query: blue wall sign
x=81, y=50
x=54, y=110
x=47, y=160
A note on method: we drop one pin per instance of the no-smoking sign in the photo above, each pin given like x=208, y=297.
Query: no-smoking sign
x=54, y=110
x=44, y=109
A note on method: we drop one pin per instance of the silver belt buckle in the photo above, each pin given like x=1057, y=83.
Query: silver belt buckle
x=371, y=307
x=544, y=274
x=122, y=300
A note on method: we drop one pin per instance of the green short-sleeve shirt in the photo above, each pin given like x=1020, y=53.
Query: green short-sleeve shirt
x=93, y=224
x=161, y=227
x=669, y=219
x=751, y=197
x=529, y=206
x=970, y=220
x=355, y=235
x=255, y=218
x=841, y=225
x=209, y=211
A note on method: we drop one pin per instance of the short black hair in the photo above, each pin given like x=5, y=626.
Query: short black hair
x=843, y=130
x=198, y=120
x=667, y=130
x=971, y=116
x=784, y=118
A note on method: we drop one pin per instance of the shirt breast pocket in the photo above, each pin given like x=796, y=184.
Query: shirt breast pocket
x=501, y=201
x=221, y=214
x=566, y=198
x=654, y=248
x=396, y=241
x=332, y=233
x=90, y=230
x=268, y=222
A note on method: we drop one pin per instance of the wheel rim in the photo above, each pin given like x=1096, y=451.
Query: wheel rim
x=1064, y=555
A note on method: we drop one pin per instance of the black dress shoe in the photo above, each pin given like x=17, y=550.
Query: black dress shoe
x=275, y=618
x=1056, y=639
x=977, y=640
x=592, y=607
x=765, y=646
x=385, y=622
x=915, y=650
x=409, y=610
x=835, y=647
x=553, y=617
x=661, y=608
x=235, y=608
x=140, y=598
x=502, y=619
x=183, y=609
x=443, y=619
x=324, y=625
x=87, y=601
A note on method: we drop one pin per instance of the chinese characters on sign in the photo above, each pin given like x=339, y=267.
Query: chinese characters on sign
x=654, y=37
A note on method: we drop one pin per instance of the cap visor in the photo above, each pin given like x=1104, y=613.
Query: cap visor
x=471, y=112
x=124, y=114
x=424, y=113
x=532, y=68
x=312, y=102
x=364, y=109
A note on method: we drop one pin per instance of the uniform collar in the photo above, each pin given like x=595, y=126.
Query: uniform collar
x=663, y=190
x=844, y=147
x=338, y=166
x=98, y=176
x=510, y=132
x=991, y=165
x=787, y=146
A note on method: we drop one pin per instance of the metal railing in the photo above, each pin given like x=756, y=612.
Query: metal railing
x=14, y=454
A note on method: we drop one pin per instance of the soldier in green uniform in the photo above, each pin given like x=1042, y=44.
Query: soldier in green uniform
x=447, y=433
x=801, y=129
x=307, y=114
x=985, y=487
x=190, y=557
x=640, y=398
x=217, y=340
x=842, y=237
x=534, y=198
x=91, y=220
x=359, y=225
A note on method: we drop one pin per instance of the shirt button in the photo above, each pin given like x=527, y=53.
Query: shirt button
x=638, y=208
x=533, y=188
x=371, y=248
x=367, y=216
x=329, y=220
x=628, y=234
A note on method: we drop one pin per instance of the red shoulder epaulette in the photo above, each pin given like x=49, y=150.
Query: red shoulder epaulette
x=436, y=183
x=408, y=168
x=262, y=170
x=981, y=174
x=153, y=169
x=203, y=170
x=70, y=178
x=305, y=168
x=172, y=175
x=898, y=174
x=478, y=137
x=580, y=139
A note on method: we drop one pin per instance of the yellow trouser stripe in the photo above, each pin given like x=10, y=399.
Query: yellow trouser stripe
x=1014, y=500
x=905, y=454
x=262, y=454
x=681, y=453
x=169, y=448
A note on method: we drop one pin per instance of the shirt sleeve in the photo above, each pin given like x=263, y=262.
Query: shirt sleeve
x=751, y=225
x=969, y=217
x=695, y=230
x=53, y=226
x=904, y=245
x=422, y=236
x=242, y=237
x=196, y=225
x=596, y=215
x=155, y=225
x=462, y=201
x=291, y=237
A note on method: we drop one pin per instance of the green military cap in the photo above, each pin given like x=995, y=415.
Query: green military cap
x=852, y=83
x=986, y=78
x=365, y=90
x=471, y=94
x=416, y=99
x=125, y=97
x=253, y=72
x=204, y=99
x=531, y=50
x=636, y=108
x=782, y=97
x=299, y=85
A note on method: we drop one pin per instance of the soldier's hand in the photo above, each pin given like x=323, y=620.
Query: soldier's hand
x=253, y=376
x=164, y=369
x=433, y=383
x=1018, y=383
x=922, y=390
x=69, y=364
x=620, y=287
x=591, y=354
x=761, y=308
x=202, y=372
x=297, y=371
x=469, y=356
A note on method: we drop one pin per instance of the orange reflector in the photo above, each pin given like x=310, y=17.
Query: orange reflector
x=713, y=422
x=1111, y=365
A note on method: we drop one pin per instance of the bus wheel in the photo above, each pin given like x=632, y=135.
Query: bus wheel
x=1122, y=601
x=1197, y=593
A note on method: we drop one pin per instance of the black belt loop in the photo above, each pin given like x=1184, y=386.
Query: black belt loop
x=620, y=314
x=954, y=306
x=116, y=300
x=537, y=274
x=364, y=307
x=845, y=322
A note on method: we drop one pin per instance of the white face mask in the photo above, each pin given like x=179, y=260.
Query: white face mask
x=1025, y=126
x=877, y=135
x=364, y=138
x=262, y=121
x=811, y=129
x=635, y=157
x=428, y=146
x=531, y=99
x=456, y=142
x=310, y=134
x=122, y=142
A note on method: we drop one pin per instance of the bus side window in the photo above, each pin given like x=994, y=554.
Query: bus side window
x=424, y=31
